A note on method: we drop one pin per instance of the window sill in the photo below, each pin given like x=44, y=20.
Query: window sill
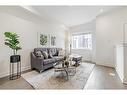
x=82, y=49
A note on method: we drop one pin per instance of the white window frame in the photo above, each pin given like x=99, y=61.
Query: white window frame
x=87, y=48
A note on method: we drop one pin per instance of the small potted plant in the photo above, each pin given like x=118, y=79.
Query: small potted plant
x=11, y=40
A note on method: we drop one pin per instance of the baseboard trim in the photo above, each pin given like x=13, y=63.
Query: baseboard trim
x=105, y=65
x=89, y=61
x=7, y=73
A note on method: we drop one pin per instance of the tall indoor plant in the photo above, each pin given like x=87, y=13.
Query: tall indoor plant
x=12, y=40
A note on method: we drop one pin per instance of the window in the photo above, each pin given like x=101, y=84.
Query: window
x=82, y=41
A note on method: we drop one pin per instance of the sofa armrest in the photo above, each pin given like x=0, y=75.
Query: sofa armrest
x=36, y=62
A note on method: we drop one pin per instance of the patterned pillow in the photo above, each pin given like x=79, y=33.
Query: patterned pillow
x=50, y=55
x=53, y=51
x=39, y=54
x=61, y=53
x=45, y=54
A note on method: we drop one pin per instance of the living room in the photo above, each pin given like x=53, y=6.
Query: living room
x=89, y=36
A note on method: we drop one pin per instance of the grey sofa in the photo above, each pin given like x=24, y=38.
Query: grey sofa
x=43, y=64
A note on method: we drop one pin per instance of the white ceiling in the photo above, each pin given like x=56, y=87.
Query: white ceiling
x=72, y=15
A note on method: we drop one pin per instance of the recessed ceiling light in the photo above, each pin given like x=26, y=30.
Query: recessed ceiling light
x=101, y=10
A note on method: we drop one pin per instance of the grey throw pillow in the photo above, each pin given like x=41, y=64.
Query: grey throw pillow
x=56, y=53
x=45, y=54
x=50, y=55
x=39, y=54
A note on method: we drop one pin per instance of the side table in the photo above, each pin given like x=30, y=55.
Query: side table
x=76, y=58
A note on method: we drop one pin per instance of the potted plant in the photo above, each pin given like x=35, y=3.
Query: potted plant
x=12, y=40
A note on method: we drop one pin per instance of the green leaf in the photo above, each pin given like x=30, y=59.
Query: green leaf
x=12, y=40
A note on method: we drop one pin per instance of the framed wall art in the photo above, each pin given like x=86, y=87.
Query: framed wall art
x=52, y=40
x=43, y=40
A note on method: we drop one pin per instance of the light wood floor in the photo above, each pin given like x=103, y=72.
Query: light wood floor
x=104, y=78
x=100, y=78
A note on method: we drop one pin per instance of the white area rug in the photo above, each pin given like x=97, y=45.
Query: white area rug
x=49, y=80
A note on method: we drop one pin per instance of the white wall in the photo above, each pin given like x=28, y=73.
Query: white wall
x=88, y=55
x=27, y=30
x=109, y=33
x=120, y=61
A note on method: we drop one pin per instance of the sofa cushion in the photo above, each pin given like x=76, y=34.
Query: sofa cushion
x=53, y=51
x=48, y=61
x=41, y=49
x=58, y=58
x=61, y=52
x=50, y=56
x=39, y=54
x=45, y=54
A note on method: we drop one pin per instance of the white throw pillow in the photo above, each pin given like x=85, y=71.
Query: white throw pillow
x=61, y=53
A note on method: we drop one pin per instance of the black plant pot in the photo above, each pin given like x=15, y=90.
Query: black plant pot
x=15, y=66
x=15, y=58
